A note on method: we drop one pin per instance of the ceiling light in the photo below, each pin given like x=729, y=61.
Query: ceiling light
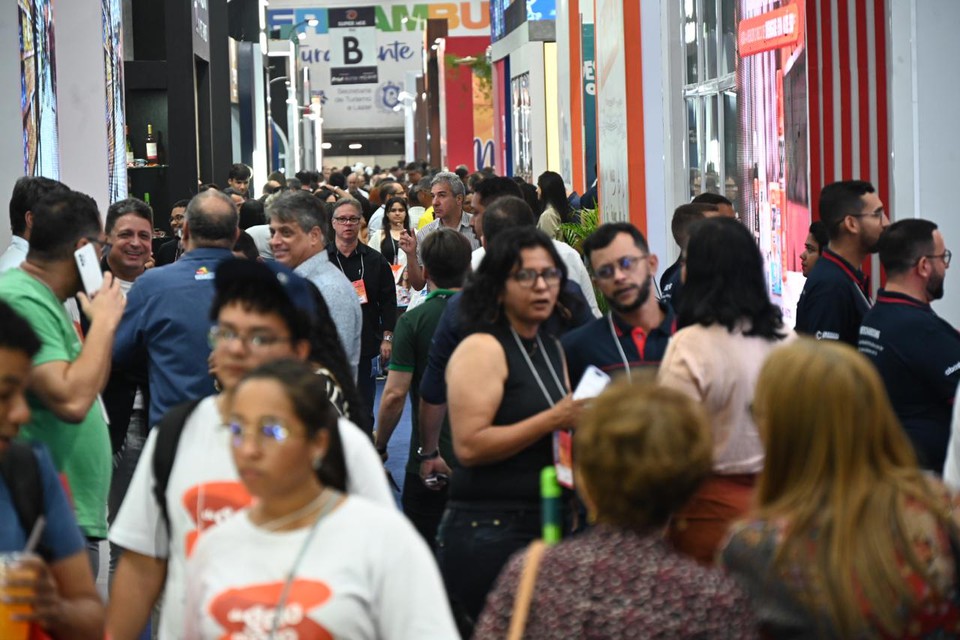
x=355, y=145
x=312, y=22
x=326, y=145
x=301, y=36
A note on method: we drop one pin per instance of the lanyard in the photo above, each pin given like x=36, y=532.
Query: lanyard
x=616, y=341
x=340, y=264
x=332, y=501
x=536, y=375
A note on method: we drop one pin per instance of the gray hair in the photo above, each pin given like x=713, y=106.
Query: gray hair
x=452, y=179
x=344, y=202
x=300, y=207
x=212, y=219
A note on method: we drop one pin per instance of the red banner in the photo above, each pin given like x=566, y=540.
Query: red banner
x=775, y=29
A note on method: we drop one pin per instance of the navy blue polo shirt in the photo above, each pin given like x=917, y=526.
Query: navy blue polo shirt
x=918, y=356
x=593, y=344
x=834, y=300
x=671, y=284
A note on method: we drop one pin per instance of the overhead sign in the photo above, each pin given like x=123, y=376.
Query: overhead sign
x=353, y=54
x=775, y=29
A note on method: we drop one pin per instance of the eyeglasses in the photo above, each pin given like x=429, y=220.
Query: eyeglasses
x=872, y=214
x=348, y=220
x=626, y=264
x=220, y=335
x=945, y=256
x=526, y=278
x=270, y=433
x=103, y=244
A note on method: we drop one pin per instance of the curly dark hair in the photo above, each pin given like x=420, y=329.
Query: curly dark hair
x=725, y=283
x=480, y=305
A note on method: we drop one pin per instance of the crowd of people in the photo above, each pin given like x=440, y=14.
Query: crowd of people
x=208, y=406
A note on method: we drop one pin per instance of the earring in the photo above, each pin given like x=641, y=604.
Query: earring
x=317, y=463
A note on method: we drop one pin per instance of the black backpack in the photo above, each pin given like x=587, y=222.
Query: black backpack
x=169, y=430
x=21, y=473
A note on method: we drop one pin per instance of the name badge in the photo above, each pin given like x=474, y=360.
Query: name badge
x=361, y=289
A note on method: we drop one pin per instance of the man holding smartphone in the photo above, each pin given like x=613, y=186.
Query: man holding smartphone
x=68, y=374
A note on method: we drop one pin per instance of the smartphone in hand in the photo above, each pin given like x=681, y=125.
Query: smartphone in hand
x=88, y=264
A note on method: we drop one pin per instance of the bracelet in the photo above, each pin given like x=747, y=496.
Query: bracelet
x=423, y=457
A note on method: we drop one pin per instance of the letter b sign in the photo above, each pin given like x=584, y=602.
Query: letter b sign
x=351, y=51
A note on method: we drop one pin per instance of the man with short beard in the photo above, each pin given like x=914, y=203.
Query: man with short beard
x=916, y=352
x=636, y=331
x=836, y=294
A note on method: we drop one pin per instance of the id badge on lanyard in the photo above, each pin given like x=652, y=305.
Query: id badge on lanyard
x=361, y=288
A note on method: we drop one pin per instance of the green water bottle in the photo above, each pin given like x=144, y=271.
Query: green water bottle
x=550, y=505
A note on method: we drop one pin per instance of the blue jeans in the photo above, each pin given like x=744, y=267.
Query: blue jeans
x=474, y=542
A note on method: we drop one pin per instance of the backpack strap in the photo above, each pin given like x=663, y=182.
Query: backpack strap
x=169, y=430
x=21, y=473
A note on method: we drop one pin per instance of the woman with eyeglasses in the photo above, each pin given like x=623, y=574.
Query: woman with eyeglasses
x=305, y=560
x=508, y=398
x=727, y=327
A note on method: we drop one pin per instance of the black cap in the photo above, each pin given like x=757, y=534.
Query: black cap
x=267, y=274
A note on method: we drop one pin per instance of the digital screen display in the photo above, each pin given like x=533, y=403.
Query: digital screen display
x=38, y=89
x=113, y=67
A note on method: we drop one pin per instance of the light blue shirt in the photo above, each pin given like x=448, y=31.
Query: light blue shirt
x=15, y=254
x=342, y=301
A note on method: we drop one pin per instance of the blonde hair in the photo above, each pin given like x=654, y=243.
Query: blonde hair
x=838, y=469
x=641, y=452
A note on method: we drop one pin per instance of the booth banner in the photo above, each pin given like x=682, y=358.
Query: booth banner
x=612, y=117
x=589, y=105
x=353, y=39
x=398, y=49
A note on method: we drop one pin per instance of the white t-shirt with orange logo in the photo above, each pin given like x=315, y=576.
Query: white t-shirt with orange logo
x=204, y=490
x=366, y=575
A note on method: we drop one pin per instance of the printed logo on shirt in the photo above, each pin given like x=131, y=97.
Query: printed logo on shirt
x=250, y=612
x=211, y=503
x=870, y=332
x=952, y=369
x=203, y=274
x=827, y=335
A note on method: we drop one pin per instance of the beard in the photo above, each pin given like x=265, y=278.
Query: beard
x=643, y=293
x=935, y=287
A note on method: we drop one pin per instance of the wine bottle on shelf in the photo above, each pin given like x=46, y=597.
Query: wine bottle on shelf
x=151, y=147
x=126, y=131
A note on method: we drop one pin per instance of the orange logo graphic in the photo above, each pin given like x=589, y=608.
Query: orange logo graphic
x=250, y=612
x=211, y=503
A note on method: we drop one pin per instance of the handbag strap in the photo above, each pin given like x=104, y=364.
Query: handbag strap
x=528, y=580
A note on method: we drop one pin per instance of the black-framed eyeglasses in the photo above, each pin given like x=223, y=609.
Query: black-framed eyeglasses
x=626, y=264
x=526, y=278
x=219, y=335
x=872, y=214
x=946, y=256
x=103, y=244
x=348, y=220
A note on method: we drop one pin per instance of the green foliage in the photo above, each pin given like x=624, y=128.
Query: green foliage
x=574, y=233
x=479, y=66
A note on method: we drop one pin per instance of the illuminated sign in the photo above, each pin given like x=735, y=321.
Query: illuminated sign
x=775, y=29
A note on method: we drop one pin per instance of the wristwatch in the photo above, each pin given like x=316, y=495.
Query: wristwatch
x=388, y=337
x=423, y=457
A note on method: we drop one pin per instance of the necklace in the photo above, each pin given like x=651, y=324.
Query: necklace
x=278, y=523
x=328, y=506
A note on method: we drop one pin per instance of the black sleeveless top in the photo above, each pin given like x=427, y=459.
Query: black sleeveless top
x=517, y=478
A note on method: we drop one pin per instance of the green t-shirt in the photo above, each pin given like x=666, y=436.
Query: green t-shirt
x=80, y=451
x=411, y=346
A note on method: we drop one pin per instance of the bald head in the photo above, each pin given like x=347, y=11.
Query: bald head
x=212, y=221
